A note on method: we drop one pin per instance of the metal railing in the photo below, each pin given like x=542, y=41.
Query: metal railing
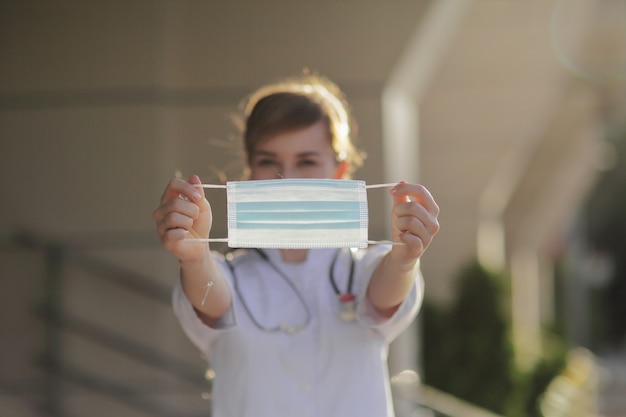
x=430, y=402
x=46, y=395
x=58, y=323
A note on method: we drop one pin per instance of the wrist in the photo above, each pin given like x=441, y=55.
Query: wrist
x=403, y=265
x=196, y=263
x=196, y=257
x=197, y=278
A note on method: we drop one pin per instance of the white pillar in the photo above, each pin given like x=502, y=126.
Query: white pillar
x=400, y=108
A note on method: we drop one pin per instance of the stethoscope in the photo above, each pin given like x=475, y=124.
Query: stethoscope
x=347, y=300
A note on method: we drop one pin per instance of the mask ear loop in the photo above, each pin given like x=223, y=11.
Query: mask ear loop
x=225, y=240
x=208, y=240
x=383, y=242
x=388, y=185
x=210, y=186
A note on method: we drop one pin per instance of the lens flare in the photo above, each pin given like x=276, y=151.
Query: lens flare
x=589, y=38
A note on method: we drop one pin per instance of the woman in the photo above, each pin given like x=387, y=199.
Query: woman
x=297, y=332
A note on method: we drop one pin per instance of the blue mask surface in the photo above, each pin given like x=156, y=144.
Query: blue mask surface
x=297, y=213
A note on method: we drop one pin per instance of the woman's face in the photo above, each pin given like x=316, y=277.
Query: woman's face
x=304, y=153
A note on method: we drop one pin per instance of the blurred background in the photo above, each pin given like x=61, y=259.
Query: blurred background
x=512, y=113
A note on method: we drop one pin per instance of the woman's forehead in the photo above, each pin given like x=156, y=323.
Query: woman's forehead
x=314, y=138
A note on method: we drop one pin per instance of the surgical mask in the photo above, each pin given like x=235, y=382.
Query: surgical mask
x=299, y=213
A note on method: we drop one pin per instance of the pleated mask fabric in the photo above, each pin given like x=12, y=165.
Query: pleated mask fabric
x=298, y=213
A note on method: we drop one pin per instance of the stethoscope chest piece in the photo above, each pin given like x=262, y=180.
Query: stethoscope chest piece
x=347, y=307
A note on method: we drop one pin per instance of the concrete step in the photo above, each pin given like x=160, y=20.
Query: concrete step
x=612, y=392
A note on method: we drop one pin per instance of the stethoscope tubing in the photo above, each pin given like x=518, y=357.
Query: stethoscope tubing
x=283, y=327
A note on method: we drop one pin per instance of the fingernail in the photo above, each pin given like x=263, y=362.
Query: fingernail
x=196, y=195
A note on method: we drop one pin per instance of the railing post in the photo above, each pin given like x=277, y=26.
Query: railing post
x=53, y=341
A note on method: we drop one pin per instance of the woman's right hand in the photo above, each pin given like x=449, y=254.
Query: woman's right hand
x=184, y=212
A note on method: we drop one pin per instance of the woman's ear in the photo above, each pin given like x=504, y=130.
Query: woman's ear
x=245, y=175
x=342, y=170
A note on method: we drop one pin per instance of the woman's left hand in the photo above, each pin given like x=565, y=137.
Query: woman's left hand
x=413, y=221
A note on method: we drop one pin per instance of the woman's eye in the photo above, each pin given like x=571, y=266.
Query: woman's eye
x=307, y=163
x=265, y=162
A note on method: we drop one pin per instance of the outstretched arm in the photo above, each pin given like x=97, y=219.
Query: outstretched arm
x=414, y=223
x=184, y=212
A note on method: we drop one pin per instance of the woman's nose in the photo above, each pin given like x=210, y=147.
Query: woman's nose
x=287, y=172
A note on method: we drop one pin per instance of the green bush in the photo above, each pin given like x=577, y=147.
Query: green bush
x=467, y=350
x=531, y=385
x=605, y=233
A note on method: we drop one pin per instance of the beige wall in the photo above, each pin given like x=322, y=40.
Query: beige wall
x=101, y=103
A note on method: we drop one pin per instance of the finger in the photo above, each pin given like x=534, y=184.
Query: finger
x=412, y=219
x=176, y=205
x=172, y=237
x=398, y=197
x=411, y=227
x=404, y=191
x=410, y=224
x=177, y=187
x=412, y=209
x=183, y=207
x=198, y=196
x=173, y=190
x=414, y=242
x=175, y=220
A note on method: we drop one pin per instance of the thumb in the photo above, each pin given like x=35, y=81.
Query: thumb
x=397, y=197
x=198, y=195
x=202, y=223
x=194, y=179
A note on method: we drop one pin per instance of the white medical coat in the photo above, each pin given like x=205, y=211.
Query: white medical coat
x=330, y=368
